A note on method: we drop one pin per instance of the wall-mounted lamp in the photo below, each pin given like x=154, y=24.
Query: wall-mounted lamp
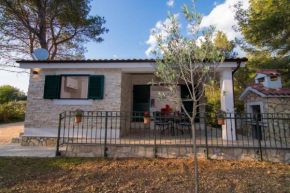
x=34, y=72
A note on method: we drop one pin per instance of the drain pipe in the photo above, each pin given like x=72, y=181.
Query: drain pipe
x=233, y=73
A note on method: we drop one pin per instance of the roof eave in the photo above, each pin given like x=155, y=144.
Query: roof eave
x=113, y=61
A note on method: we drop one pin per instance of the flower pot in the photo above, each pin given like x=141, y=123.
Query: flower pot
x=147, y=120
x=221, y=121
x=78, y=119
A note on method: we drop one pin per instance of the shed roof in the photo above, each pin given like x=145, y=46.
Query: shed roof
x=263, y=91
x=269, y=72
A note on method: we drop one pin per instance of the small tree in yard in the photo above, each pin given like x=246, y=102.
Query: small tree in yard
x=186, y=60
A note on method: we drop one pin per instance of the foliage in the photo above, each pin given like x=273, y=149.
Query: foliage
x=79, y=113
x=12, y=111
x=265, y=25
x=10, y=93
x=60, y=26
x=225, y=46
x=146, y=114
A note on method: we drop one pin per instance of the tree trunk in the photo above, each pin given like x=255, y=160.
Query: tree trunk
x=42, y=25
x=194, y=147
x=194, y=155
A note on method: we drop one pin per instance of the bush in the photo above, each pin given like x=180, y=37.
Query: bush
x=12, y=112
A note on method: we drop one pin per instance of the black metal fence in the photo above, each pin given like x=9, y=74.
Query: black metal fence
x=128, y=128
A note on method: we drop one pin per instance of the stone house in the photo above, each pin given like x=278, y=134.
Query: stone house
x=268, y=99
x=266, y=95
x=100, y=85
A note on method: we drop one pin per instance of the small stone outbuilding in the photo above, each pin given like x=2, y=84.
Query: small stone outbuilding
x=270, y=101
x=266, y=95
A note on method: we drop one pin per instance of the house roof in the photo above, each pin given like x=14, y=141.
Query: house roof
x=263, y=91
x=269, y=72
x=242, y=59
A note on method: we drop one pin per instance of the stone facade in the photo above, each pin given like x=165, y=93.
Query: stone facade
x=272, y=155
x=275, y=126
x=270, y=104
x=43, y=113
x=39, y=141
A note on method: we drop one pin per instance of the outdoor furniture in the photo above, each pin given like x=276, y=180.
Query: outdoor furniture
x=174, y=120
x=163, y=126
x=187, y=125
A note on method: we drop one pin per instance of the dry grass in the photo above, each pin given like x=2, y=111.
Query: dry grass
x=8, y=131
x=139, y=175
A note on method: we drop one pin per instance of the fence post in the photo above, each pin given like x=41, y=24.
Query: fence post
x=57, y=153
x=155, y=147
x=259, y=138
x=106, y=130
x=205, y=130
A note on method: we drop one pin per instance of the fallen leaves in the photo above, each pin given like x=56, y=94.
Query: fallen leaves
x=140, y=175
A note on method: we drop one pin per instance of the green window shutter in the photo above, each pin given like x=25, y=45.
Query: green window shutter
x=51, y=87
x=96, y=87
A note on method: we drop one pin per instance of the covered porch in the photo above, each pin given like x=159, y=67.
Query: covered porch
x=137, y=95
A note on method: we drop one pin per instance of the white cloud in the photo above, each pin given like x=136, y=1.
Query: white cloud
x=170, y=3
x=159, y=29
x=222, y=17
x=115, y=56
x=215, y=3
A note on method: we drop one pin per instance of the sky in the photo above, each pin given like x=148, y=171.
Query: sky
x=130, y=23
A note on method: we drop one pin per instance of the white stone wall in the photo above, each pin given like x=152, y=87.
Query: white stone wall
x=43, y=113
x=276, y=118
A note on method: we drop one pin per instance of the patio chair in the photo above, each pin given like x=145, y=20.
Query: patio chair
x=162, y=126
x=186, y=125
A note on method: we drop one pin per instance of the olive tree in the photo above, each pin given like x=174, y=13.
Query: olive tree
x=190, y=59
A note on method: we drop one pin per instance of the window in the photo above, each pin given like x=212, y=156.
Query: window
x=261, y=80
x=74, y=87
x=273, y=78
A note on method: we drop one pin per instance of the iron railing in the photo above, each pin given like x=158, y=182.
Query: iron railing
x=107, y=128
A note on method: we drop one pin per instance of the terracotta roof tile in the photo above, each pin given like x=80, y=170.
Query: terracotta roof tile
x=270, y=91
x=270, y=72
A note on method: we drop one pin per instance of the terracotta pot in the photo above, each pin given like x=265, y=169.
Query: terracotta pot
x=221, y=121
x=147, y=120
x=78, y=119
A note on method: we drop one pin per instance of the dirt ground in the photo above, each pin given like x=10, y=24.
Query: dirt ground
x=139, y=175
x=8, y=131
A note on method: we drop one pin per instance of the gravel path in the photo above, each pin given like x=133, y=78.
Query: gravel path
x=8, y=131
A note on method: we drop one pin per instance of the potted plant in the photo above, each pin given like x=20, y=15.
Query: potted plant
x=147, y=117
x=220, y=114
x=78, y=115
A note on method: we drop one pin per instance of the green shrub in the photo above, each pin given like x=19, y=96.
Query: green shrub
x=12, y=111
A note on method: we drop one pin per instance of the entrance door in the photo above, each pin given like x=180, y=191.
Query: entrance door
x=188, y=104
x=141, y=98
x=257, y=130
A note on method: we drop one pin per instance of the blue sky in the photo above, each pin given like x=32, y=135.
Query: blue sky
x=130, y=23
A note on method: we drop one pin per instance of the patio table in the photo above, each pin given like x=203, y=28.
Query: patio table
x=173, y=120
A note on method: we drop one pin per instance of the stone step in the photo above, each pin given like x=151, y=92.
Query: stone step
x=21, y=134
x=16, y=140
